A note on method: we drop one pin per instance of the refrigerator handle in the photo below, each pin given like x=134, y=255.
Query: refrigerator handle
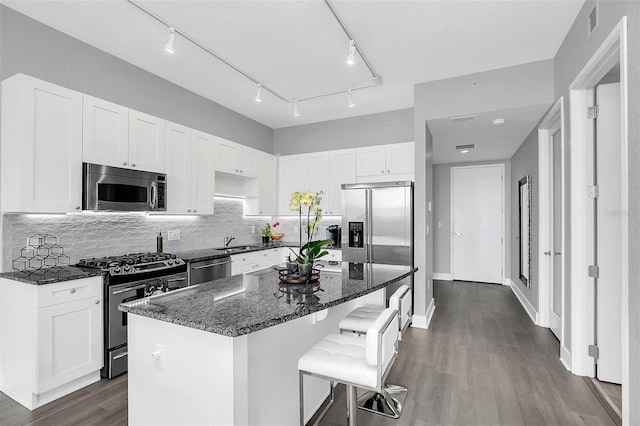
x=369, y=219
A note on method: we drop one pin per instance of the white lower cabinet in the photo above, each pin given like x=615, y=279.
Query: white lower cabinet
x=254, y=261
x=52, y=338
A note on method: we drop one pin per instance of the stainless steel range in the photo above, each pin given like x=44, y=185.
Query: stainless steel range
x=127, y=278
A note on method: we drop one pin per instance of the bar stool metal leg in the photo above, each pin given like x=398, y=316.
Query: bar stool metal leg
x=351, y=405
x=389, y=403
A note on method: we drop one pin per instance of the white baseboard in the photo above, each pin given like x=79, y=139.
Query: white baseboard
x=423, y=321
x=442, y=277
x=565, y=357
x=528, y=307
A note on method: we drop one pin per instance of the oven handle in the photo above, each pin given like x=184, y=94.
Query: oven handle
x=122, y=355
x=128, y=289
x=176, y=279
x=211, y=265
x=154, y=195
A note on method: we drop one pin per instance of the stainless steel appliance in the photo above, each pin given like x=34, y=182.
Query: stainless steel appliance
x=209, y=270
x=113, y=188
x=378, y=221
x=128, y=278
x=334, y=232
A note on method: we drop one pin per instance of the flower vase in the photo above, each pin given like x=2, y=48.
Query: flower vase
x=292, y=268
x=305, y=269
x=265, y=239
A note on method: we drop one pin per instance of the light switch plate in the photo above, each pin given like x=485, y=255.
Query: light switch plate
x=174, y=235
x=159, y=356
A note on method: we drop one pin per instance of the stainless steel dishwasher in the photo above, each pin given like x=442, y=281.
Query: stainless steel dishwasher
x=209, y=270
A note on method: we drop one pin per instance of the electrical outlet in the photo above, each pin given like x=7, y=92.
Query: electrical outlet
x=159, y=356
x=174, y=235
x=253, y=229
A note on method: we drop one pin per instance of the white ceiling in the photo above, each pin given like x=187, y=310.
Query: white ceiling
x=492, y=142
x=298, y=48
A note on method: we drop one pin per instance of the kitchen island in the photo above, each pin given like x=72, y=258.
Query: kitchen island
x=225, y=352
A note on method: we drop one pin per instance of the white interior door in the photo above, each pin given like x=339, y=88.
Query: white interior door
x=555, y=315
x=477, y=218
x=609, y=234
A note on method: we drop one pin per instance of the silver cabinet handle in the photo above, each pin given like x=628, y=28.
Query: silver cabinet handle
x=194, y=210
x=77, y=207
x=547, y=253
x=122, y=355
x=388, y=171
x=457, y=234
x=133, y=164
x=73, y=290
x=557, y=253
x=97, y=302
x=382, y=171
x=124, y=163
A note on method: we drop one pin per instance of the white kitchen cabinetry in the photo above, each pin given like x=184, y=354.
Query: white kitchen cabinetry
x=105, y=132
x=41, y=147
x=254, y=261
x=342, y=169
x=146, y=142
x=52, y=338
x=302, y=173
x=236, y=159
x=385, y=160
x=266, y=201
x=190, y=171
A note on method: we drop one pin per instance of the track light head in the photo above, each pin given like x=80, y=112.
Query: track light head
x=351, y=57
x=350, y=99
x=171, y=39
x=296, y=113
x=259, y=94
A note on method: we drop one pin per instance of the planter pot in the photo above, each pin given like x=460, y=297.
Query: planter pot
x=265, y=240
x=292, y=268
x=304, y=269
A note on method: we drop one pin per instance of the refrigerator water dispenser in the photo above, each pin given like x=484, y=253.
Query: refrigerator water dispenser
x=356, y=234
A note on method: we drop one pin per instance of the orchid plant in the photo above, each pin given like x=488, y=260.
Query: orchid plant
x=308, y=203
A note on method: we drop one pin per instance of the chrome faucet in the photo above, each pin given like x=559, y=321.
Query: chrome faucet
x=227, y=241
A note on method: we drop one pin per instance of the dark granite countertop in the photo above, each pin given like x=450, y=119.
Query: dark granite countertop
x=51, y=275
x=216, y=253
x=246, y=303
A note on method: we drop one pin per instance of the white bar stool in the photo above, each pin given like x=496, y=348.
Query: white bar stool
x=390, y=401
x=352, y=360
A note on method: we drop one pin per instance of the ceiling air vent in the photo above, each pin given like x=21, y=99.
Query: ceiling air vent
x=592, y=20
x=468, y=146
x=463, y=118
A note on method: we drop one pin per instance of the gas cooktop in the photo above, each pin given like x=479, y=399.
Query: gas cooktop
x=133, y=263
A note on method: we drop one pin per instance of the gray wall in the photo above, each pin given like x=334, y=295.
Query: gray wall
x=634, y=209
x=367, y=130
x=525, y=162
x=35, y=49
x=442, y=215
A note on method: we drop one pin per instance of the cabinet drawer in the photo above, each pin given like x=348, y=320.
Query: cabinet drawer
x=69, y=291
x=266, y=258
x=243, y=259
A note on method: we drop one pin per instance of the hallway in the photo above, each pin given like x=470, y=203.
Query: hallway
x=482, y=362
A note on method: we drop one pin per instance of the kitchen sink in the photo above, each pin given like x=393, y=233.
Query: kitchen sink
x=235, y=249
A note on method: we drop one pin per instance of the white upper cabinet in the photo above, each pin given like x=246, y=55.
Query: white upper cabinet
x=41, y=147
x=393, y=159
x=342, y=169
x=105, y=132
x=146, y=142
x=293, y=177
x=266, y=201
x=117, y=136
x=190, y=171
x=318, y=171
x=236, y=159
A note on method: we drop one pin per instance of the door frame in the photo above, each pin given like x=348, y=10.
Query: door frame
x=502, y=207
x=551, y=123
x=613, y=50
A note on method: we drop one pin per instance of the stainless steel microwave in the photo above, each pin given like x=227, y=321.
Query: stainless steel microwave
x=113, y=188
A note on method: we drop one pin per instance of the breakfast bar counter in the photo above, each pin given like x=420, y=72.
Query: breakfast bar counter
x=225, y=352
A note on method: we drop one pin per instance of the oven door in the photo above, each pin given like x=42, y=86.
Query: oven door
x=117, y=320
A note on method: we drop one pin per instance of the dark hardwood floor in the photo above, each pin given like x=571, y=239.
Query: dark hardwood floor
x=482, y=362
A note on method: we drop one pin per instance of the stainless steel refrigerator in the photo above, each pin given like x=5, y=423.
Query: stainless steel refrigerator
x=377, y=223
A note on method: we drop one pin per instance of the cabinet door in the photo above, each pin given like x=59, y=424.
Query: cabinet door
x=268, y=186
x=248, y=162
x=293, y=177
x=105, y=132
x=203, y=173
x=41, y=147
x=342, y=169
x=400, y=158
x=226, y=153
x=370, y=161
x=146, y=142
x=318, y=171
x=69, y=342
x=178, y=149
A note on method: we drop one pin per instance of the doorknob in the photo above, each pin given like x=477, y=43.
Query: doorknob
x=547, y=253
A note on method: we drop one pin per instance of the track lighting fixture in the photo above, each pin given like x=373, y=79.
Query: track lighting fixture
x=296, y=113
x=259, y=94
x=171, y=39
x=351, y=57
x=350, y=99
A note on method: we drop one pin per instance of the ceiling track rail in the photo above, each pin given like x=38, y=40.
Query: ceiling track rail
x=185, y=35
